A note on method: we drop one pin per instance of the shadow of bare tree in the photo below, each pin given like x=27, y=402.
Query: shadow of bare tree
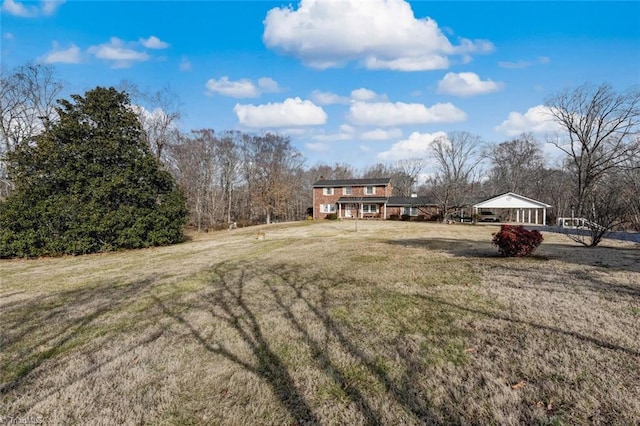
x=43, y=328
x=227, y=304
x=301, y=299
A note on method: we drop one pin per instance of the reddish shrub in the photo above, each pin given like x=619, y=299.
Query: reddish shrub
x=515, y=241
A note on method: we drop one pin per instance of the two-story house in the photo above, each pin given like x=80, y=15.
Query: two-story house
x=363, y=198
x=350, y=197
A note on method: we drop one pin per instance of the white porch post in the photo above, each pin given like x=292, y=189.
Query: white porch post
x=536, y=216
x=544, y=215
x=385, y=211
x=529, y=215
x=340, y=210
x=518, y=216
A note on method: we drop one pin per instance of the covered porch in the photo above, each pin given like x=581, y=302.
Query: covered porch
x=362, y=207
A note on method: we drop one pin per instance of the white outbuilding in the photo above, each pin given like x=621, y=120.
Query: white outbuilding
x=525, y=210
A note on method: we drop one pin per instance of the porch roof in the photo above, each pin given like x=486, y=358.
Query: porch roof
x=368, y=200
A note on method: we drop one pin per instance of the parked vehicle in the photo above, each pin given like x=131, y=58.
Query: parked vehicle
x=487, y=216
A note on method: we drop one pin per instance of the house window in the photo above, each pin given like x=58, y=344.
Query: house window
x=411, y=211
x=346, y=190
x=327, y=191
x=370, y=208
x=327, y=208
x=370, y=190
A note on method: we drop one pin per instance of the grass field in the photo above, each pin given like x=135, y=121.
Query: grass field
x=398, y=323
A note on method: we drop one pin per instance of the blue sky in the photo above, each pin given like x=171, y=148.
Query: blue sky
x=360, y=81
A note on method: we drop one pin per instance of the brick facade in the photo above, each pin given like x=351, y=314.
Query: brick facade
x=381, y=190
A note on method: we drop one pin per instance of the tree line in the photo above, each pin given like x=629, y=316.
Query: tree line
x=234, y=176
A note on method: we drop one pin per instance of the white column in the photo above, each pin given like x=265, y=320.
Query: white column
x=536, y=216
x=529, y=212
x=518, y=216
x=544, y=215
x=339, y=210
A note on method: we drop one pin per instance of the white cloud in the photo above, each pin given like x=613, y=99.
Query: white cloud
x=267, y=84
x=466, y=84
x=381, y=135
x=49, y=7
x=149, y=116
x=293, y=112
x=8, y=36
x=381, y=34
x=328, y=98
x=524, y=64
x=416, y=146
x=366, y=95
x=185, y=64
x=536, y=120
x=420, y=63
x=15, y=8
x=116, y=52
x=345, y=128
x=18, y=9
x=400, y=113
x=317, y=147
x=236, y=89
x=332, y=137
x=243, y=88
x=154, y=42
x=66, y=56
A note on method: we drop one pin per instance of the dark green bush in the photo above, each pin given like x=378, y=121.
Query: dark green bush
x=332, y=216
x=89, y=183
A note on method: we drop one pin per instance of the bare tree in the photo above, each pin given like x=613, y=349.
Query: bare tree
x=515, y=165
x=270, y=165
x=405, y=174
x=194, y=169
x=337, y=171
x=158, y=113
x=600, y=128
x=28, y=97
x=456, y=160
x=631, y=187
x=228, y=157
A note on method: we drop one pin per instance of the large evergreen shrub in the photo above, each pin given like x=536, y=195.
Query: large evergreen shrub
x=88, y=184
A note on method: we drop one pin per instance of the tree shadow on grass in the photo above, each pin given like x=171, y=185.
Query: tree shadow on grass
x=624, y=259
x=301, y=300
x=616, y=258
x=42, y=329
x=556, y=330
x=402, y=390
x=228, y=304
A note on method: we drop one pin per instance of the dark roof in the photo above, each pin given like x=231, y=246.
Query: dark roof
x=364, y=199
x=410, y=201
x=324, y=183
x=391, y=201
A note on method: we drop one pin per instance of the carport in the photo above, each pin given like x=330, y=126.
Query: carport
x=526, y=209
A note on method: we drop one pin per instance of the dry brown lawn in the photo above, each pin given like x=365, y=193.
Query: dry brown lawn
x=398, y=323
